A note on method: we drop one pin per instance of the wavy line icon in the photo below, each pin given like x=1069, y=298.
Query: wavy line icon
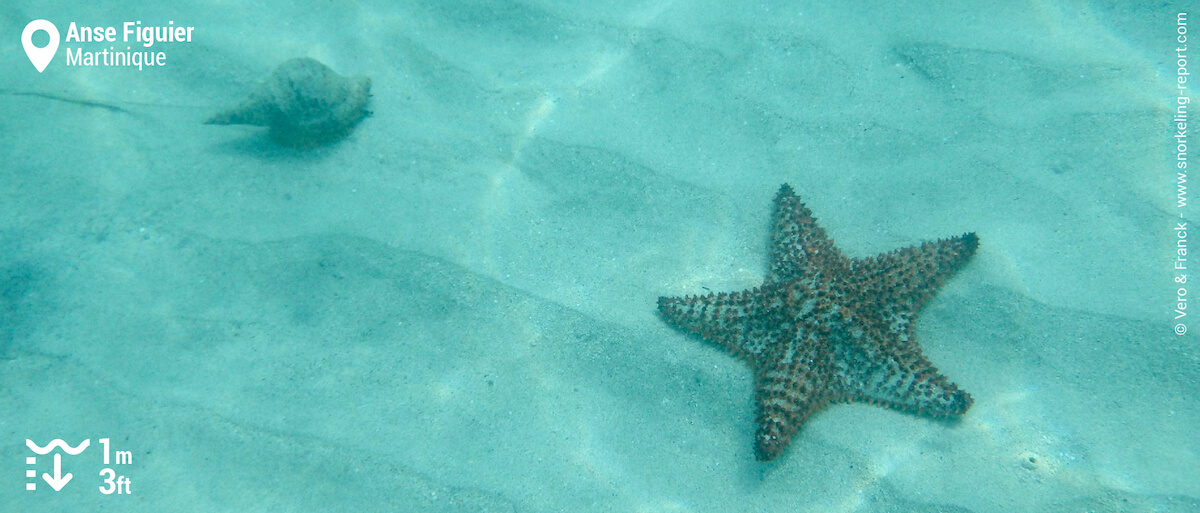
x=57, y=442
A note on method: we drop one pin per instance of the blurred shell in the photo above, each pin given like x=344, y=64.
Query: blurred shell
x=303, y=102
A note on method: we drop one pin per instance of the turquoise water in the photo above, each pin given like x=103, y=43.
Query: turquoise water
x=453, y=308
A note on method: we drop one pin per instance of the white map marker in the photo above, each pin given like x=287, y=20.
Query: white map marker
x=40, y=57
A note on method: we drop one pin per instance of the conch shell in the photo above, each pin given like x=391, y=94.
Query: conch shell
x=303, y=102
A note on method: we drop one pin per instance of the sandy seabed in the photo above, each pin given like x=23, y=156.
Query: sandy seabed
x=453, y=308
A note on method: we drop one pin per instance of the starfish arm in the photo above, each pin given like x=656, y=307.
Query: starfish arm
x=786, y=395
x=908, y=382
x=910, y=276
x=798, y=244
x=739, y=322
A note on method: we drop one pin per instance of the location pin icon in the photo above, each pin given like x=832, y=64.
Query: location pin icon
x=40, y=57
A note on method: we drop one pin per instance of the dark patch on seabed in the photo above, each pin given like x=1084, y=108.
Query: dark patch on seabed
x=18, y=286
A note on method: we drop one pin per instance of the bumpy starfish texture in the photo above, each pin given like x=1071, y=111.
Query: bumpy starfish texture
x=824, y=328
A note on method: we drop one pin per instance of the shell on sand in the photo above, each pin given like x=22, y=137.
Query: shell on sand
x=303, y=102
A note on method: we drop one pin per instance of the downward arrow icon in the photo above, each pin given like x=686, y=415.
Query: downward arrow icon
x=59, y=480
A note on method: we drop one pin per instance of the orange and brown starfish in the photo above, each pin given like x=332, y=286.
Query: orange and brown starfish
x=824, y=328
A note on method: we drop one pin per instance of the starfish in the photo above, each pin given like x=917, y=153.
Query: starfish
x=825, y=329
